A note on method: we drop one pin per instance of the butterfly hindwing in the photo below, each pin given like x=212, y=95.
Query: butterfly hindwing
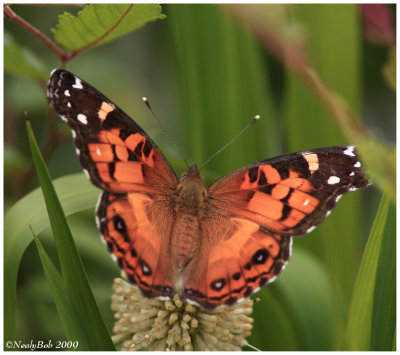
x=134, y=227
x=115, y=152
x=239, y=265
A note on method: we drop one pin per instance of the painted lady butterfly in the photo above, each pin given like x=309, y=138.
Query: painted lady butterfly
x=212, y=245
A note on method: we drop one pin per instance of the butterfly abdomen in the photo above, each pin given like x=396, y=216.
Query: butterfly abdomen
x=185, y=240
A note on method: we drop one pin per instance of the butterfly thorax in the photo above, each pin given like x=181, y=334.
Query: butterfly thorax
x=190, y=192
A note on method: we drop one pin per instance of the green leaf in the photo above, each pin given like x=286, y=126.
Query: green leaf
x=76, y=193
x=298, y=311
x=100, y=23
x=363, y=304
x=74, y=275
x=21, y=61
x=383, y=329
x=71, y=322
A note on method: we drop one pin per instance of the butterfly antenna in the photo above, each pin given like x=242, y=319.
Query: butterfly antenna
x=257, y=117
x=165, y=131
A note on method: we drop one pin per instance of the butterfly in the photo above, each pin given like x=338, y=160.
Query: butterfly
x=212, y=245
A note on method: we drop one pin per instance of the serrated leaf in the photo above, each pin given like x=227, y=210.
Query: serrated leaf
x=21, y=61
x=66, y=310
x=73, y=273
x=100, y=23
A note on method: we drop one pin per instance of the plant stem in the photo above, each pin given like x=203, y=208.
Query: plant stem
x=11, y=15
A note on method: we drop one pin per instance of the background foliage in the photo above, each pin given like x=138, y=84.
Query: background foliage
x=207, y=71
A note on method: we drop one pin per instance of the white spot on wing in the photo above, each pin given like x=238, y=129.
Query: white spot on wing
x=350, y=151
x=64, y=118
x=73, y=134
x=97, y=220
x=52, y=72
x=145, y=269
x=82, y=118
x=333, y=180
x=98, y=204
x=306, y=202
x=98, y=152
x=290, y=251
x=272, y=279
x=338, y=198
x=67, y=93
x=86, y=173
x=353, y=189
x=309, y=230
x=68, y=104
x=328, y=213
x=357, y=165
x=77, y=151
x=78, y=84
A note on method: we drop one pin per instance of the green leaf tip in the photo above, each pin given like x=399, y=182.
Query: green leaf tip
x=97, y=24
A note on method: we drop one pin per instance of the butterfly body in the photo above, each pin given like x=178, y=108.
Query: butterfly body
x=215, y=245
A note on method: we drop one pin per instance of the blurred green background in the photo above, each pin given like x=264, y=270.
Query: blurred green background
x=206, y=75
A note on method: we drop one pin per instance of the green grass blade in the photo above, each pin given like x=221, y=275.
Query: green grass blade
x=76, y=194
x=363, y=304
x=73, y=273
x=69, y=318
x=97, y=24
x=384, y=309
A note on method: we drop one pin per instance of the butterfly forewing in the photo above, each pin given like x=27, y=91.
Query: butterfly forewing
x=293, y=193
x=115, y=152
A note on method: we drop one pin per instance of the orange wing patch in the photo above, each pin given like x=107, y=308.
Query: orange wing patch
x=313, y=162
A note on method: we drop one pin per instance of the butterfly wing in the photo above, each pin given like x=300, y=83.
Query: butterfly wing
x=137, y=180
x=115, y=152
x=262, y=206
x=293, y=193
x=244, y=260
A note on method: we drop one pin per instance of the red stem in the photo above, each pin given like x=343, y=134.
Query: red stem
x=10, y=14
